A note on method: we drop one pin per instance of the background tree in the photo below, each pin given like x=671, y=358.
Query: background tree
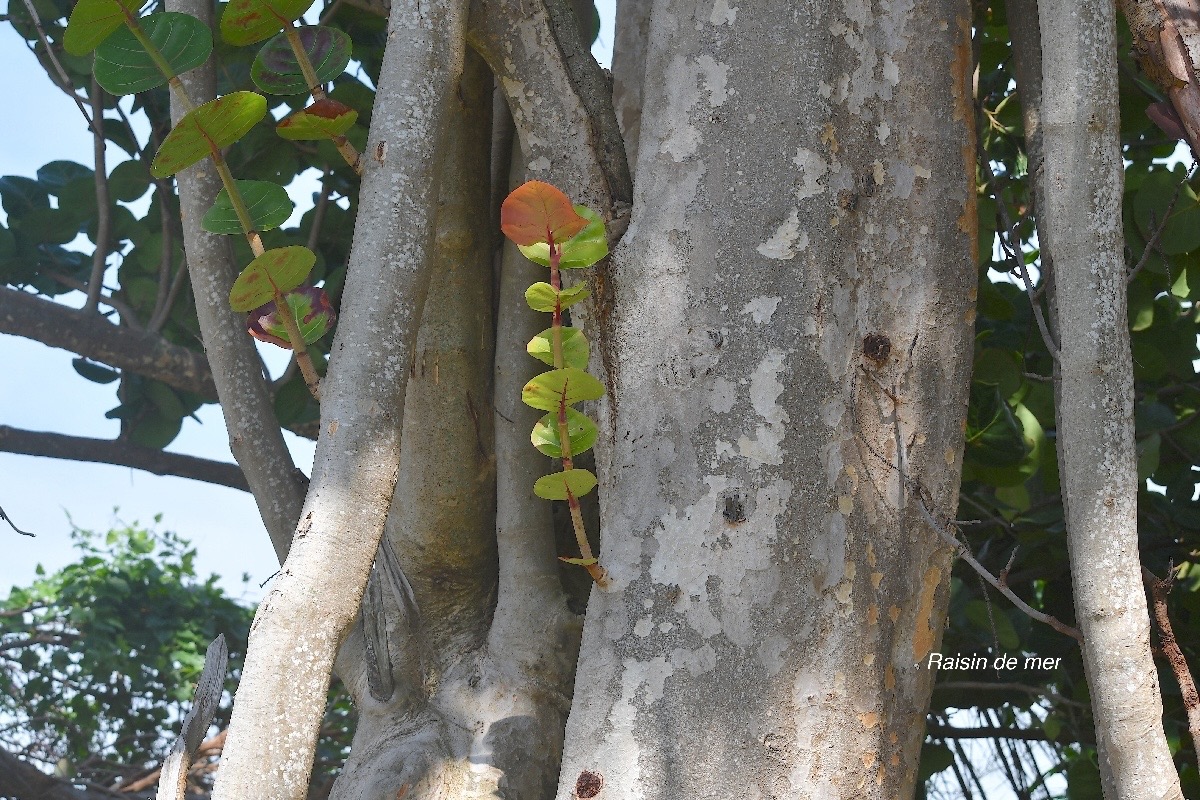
x=787, y=364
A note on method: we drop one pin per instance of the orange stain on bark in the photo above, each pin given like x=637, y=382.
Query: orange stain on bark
x=925, y=630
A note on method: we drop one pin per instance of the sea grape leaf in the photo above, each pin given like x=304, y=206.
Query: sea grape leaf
x=547, y=390
x=580, y=429
x=92, y=21
x=535, y=210
x=218, y=123
x=128, y=181
x=57, y=175
x=311, y=308
x=581, y=250
x=123, y=66
x=276, y=70
x=574, y=345
x=267, y=203
x=248, y=21
x=556, y=485
x=540, y=296
x=323, y=119
x=1181, y=228
x=281, y=269
x=582, y=562
x=96, y=373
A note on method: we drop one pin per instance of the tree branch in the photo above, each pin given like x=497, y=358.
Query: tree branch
x=314, y=601
x=1159, y=589
x=951, y=732
x=23, y=781
x=254, y=437
x=92, y=336
x=123, y=454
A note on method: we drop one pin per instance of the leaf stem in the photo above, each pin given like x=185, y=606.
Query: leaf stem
x=598, y=573
x=299, y=348
x=556, y=335
x=347, y=150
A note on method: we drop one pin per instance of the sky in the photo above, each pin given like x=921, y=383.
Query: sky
x=39, y=390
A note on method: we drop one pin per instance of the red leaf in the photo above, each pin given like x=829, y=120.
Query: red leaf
x=536, y=210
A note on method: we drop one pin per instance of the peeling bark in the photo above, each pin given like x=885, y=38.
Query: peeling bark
x=1080, y=225
x=774, y=585
x=315, y=599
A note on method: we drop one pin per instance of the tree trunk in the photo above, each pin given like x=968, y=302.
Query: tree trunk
x=1081, y=226
x=793, y=322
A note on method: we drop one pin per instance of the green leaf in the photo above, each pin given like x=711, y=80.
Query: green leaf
x=546, y=390
x=1052, y=725
x=155, y=430
x=323, y=119
x=977, y=613
x=96, y=373
x=281, y=269
x=574, y=346
x=123, y=66
x=277, y=71
x=998, y=368
x=1181, y=232
x=20, y=196
x=580, y=428
x=58, y=174
x=555, y=486
x=164, y=399
x=218, y=123
x=248, y=21
x=93, y=20
x=267, y=203
x=128, y=181
x=581, y=250
x=540, y=296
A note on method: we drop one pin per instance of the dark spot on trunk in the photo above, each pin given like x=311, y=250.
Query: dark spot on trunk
x=734, y=511
x=877, y=347
x=589, y=784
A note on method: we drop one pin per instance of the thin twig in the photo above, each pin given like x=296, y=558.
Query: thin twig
x=1152, y=244
x=116, y=305
x=103, y=212
x=4, y=516
x=177, y=283
x=1159, y=589
x=964, y=552
x=65, y=84
x=1013, y=252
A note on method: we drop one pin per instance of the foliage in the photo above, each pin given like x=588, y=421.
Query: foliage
x=548, y=230
x=100, y=657
x=1011, y=488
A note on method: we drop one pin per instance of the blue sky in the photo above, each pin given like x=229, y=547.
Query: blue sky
x=39, y=390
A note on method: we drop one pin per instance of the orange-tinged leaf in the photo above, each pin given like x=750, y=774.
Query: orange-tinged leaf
x=324, y=119
x=535, y=210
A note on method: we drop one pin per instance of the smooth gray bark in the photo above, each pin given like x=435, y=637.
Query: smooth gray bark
x=1081, y=226
x=629, y=69
x=774, y=588
x=315, y=599
x=254, y=435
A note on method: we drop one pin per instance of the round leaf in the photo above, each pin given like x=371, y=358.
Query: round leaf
x=218, y=123
x=281, y=269
x=57, y=175
x=311, y=309
x=535, y=210
x=248, y=21
x=323, y=119
x=123, y=66
x=276, y=70
x=540, y=296
x=97, y=373
x=92, y=21
x=556, y=485
x=580, y=428
x=128, y=181
x=581, y=250
x=574, y=345
x=268, y=204
x=547, y=390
